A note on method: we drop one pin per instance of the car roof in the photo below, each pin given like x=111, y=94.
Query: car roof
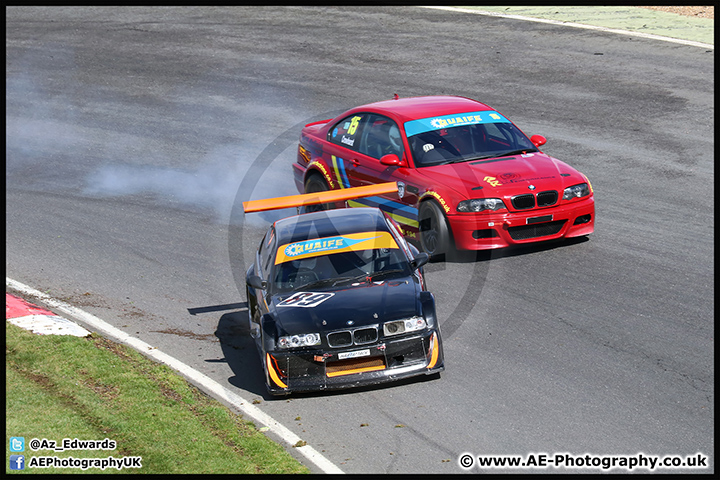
x=414, y=108
x=329, y=223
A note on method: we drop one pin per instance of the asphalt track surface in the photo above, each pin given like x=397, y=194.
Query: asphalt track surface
x=133, y=135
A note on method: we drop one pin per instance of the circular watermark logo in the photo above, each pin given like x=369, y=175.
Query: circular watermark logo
x=453, y=305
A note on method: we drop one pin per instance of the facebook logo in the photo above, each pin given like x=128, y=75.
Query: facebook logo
x=17, y=444
x=17, y=462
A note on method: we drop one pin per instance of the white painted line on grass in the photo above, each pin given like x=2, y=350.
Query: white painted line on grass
x=191, y=374
x=577, y=25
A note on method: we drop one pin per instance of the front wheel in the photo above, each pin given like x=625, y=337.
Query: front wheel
x=434, y=232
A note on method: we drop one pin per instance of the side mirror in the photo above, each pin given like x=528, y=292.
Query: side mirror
x=538, y=140
x=420, y=259
x=392, y=160
x=256, y=282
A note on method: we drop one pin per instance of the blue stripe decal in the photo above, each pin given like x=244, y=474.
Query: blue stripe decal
x=446, y=121
x=341, y=165
x=401, y=219
x=389, y=205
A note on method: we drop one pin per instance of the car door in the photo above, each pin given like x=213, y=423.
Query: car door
x=381, y=136
x=341, y=151
x=355, y=146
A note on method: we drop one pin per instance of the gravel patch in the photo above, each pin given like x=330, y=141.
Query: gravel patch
x=700, y=12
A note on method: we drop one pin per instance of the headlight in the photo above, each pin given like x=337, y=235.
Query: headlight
x=480, y=204
x=576, y=191
x=293, y=341
x=403, y=326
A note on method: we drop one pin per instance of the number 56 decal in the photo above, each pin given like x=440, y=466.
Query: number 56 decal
x=305, y=299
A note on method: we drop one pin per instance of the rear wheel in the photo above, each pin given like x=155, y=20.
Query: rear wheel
x=315, y=183
x=434, y=232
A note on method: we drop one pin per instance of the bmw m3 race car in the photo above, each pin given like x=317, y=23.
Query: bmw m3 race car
x=468, y=177
x=338, y=299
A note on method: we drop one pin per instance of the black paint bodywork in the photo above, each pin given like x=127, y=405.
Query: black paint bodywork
x=356, y=312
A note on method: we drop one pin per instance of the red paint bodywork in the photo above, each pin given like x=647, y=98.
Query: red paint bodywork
x=504, y=177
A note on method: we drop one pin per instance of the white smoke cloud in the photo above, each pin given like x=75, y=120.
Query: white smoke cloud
x=212, y=186
x=59, y=134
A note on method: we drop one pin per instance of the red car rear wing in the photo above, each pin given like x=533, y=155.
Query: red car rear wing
x=328, y=196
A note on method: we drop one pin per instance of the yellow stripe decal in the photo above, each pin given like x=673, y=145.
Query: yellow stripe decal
x=337, y=171
x=356, y=370
x=272, y=372
x=435, y=351
x=404, y=220
x=398, y=218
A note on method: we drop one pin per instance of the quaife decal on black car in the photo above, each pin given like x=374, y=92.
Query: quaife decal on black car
x=337, y=298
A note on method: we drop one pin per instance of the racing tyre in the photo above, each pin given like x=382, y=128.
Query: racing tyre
x=434, y=231
x=315, y=183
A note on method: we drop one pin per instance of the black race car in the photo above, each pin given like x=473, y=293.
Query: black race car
x=337, y=298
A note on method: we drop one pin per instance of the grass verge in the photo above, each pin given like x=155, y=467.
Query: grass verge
x=64, y=387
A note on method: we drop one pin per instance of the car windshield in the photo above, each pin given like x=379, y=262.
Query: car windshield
x=343, y=268
x=461, y=143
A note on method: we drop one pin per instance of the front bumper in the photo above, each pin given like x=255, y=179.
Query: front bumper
x=489, y=230
x=391, y=360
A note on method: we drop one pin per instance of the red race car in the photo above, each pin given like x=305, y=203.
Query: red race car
x=468, y=177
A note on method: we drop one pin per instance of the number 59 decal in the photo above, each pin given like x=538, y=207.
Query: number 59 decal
x=305, y=299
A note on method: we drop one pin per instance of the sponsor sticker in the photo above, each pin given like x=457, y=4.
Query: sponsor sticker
x=336, y=244
x=446, y=121
x=355, y=354
x=442, y=201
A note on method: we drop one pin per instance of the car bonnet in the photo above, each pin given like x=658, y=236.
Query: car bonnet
x=504, y=174
x=353, y=305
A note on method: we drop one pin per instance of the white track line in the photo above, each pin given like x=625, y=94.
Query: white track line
x=577, y=25
x=191, y=374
